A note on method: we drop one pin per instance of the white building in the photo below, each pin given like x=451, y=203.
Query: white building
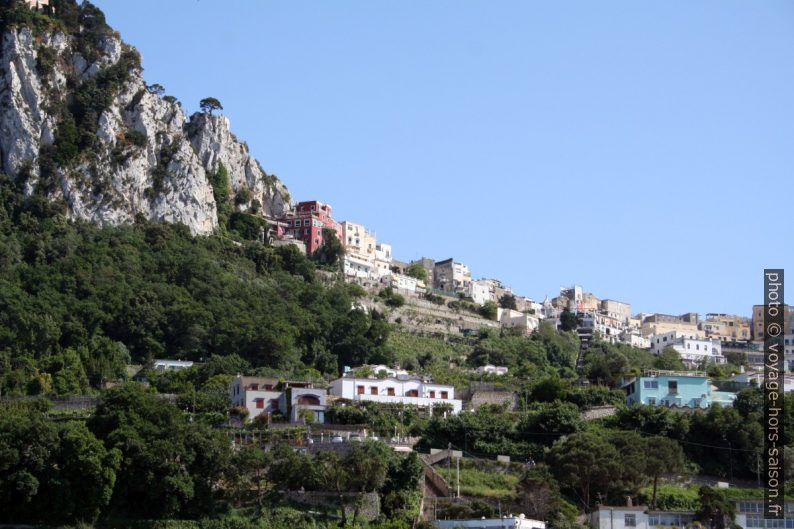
x=749, y=515
x=527, y=323
x=355, y=266
x=172, y=365
x=267, y=395
x=411, y=284
x=404, y=390
x=451, y=276
x=383, y=258
x=480, y=291
x=490, y=369
x=692, y=348
x=635, y=338
x=639, y=517
x=505, y=522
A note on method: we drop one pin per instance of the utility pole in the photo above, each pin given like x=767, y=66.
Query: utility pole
x=457, y=460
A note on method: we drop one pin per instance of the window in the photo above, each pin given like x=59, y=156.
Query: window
x=305, y=231
x=776, y=524
x=751, y=506
x=630, y=520
x=653, y=520
x=672, y=386
x=373, y=390
x=390, y=391
x=412, y=393
x=651, y=401
x=651, y=384
x=789, y=523
x=307, y=222
x=359, y=390
x=444, y=394
x=254, y=387
x=260, y=403
x=432, y=394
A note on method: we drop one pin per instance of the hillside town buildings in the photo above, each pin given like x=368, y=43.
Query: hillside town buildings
x=306, y=222
x=692, y=349
x=675, y=389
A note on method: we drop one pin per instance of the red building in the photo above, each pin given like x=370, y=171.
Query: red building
x=306, y=222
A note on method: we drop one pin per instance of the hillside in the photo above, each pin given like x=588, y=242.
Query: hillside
x=80, y=126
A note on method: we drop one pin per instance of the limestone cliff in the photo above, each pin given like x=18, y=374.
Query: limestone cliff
x=78, y=123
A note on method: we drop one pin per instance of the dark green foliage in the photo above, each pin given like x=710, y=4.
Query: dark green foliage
x=391, y=298
x=417, y=271
x=669, y=359
x=220, y=190
x=54, y=473
x=568, y=321
x=488, y=310
x=78, y=301
x=170, y=466
x=210, y=104
x=715, y=508
x=331, y=251
x=247, y=226
x=508, y=301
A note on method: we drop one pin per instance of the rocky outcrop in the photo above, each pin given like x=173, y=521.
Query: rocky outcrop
x=142, y=155
x=214, y=143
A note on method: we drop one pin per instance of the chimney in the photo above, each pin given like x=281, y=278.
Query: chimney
x=628, y=501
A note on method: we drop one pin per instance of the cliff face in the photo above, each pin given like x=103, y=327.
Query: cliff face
x=78, y=123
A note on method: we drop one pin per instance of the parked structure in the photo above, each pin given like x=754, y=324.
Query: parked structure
x=292, y=399
x=404, y=389
x=678, y=389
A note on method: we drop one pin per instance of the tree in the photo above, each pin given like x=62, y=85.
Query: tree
x=662, y=456
x=569, y=321
x=669, y=359
x=156, y=89
x=209, y=104
x=508, y=301
x=367, y=465
x=250, y=468
x=331, y=251
x=417, y=271
x=489, y=310
x=586, y=464
x=715, y=508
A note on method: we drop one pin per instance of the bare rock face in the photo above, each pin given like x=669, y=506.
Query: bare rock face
x=214, y=143
x=132, y=153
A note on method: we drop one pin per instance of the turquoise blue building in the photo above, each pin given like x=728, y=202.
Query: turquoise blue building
x=675, y=389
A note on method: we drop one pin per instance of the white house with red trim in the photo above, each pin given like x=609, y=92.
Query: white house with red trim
x=403, y=389
x=288, y=398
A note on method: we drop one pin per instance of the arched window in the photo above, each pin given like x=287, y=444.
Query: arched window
x=308, y=400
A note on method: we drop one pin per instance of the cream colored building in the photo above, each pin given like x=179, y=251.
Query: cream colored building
x=616, y=309
x=451, y=276
x=383, y=260
x=726, y=327
x=358, y=241
x=758, y=321
x=664, y=323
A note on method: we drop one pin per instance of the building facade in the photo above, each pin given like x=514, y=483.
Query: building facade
x=758, y=321
x=726, y=327
x=526, y=323
x=686, y=389
x=451, y=276
x=306, y=222
x=401, y=389
x=288, y=399
x=663, y=323
x=693, y=349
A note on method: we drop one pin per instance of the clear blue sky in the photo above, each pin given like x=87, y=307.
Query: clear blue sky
x=636, y=148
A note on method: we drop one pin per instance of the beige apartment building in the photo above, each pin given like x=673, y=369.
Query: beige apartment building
x=758, y=321
x=664, y=323
x=616, y=309
x=726, y=327
x=358, y=240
